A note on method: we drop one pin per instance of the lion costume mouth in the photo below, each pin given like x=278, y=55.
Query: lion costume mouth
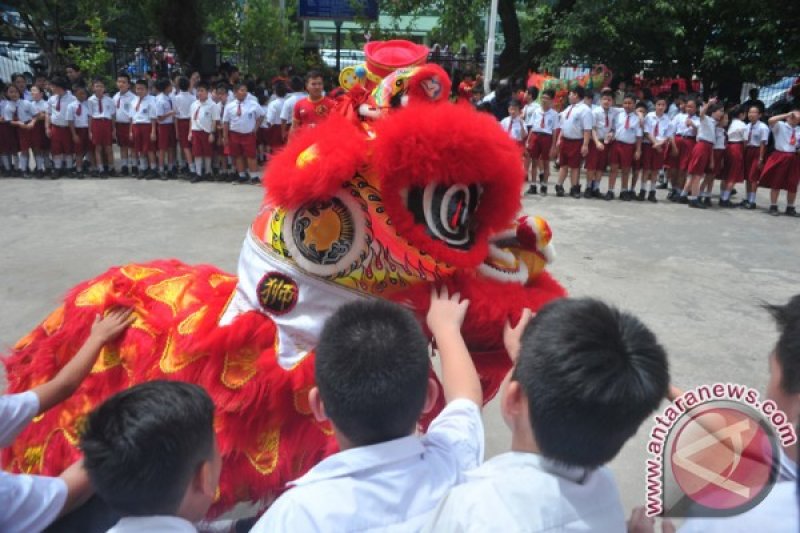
x=519, y=255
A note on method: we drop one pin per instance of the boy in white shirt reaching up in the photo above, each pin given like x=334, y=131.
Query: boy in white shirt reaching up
x=373, y=383
x=585, y=377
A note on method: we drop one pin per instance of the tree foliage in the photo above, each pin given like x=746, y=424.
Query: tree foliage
x=94, y=58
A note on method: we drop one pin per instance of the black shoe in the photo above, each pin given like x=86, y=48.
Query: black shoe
x=696, y=203
x=672, y=196
x=683, y=199
x=773, y=210
x=95, y=173
x=163, y=176
x=750, y=206
x=596, y=194
x=651, y=197
x=40, y=174
x=725, y=203
x=626, y=196
x=662, y=186
x=104, y=175
x=560, y=191
x=743, y=204
x=642, y=195
x=543, y=190
x=255, y=181
x=196, y=178
x=57, y=174
x=589, y=192
x=541, y=177
x=531, y=189
x=707, y=201
x=124, y=171
x=733, y=192
x=791, y=211
x=150, y=174
x=609, y=195
x=575, y=191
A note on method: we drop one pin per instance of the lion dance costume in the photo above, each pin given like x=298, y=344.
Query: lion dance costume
x=396, y=191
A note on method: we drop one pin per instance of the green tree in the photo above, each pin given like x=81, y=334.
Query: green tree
x=182, y=23
x=94, y=58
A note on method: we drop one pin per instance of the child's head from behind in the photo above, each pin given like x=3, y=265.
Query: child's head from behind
x=784, y=381
x=372, y=373
x=588, y=375
x=151, y=450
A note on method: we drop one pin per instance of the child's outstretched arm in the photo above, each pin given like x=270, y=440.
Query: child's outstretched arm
x=445, y=317
x=70, y=377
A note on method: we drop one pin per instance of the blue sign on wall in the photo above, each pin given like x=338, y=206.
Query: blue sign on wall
x=338, y=9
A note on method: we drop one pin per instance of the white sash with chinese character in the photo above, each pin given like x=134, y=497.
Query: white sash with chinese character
x=297, y=302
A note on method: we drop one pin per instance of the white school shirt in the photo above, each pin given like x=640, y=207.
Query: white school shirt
x=664, y=126
x=528, y=112
x=525, y=492
x=673, y=110
x=243, y=121
x=629, y=134
x=203, y=115
x=249, y=98
x=183, y=104
x=719, y=138
x=783, y=136
x=78, y=113
x=146, y=111
x=108, y=107
x=737, y=131
x=264, y=109
x=163, y=106
x=274, y=108
x=707, y=129
x=547, y=125
x=219, y=112
x=515, y=129
x=123, y=106
x=24, y=110
x=757, y=135
x=392, y=486
x=287, y=109
x=574, y=120
x=39, y=106
x=58, y=109
x=27, y=503
x=153, y=524
x=603, y=121
x=681, y=129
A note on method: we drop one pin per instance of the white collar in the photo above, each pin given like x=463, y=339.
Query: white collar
x=575, y=474
x=156, y=524
x=363, y=458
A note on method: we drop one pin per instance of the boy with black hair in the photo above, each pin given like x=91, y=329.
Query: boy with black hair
x=627, y=148
x=201, y=135
x=239, y=127
x=57, y=126
x=183, y=118
x=143, y=132
x=78, y=116
x=31, y=503
x=574, y=134
x=312, y=110
x=602, y=138
x=373, y=383
x=287, y=111
x=101, y=127
x=123, y=113
x=544, y=123
x=273, y=115
x=151, y=455
x=165, y=116
x=585, y=377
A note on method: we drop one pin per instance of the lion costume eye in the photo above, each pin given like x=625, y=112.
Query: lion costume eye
x=446, y=211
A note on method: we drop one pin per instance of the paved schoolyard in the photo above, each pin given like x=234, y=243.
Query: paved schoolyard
x=696, y=277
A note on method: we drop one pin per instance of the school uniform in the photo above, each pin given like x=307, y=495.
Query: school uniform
x=22, y=111
x=242, y=119
x=660, y=129
x=527, y=114
x=734, y=151
x=685, y=138
x=219, y=115
x=8, y=138
x=718, y=155
x=627, y=130
x=287, y=109
x=153, y=524
x=39, y=140
x=603, y=123
x=573, y=122
x=542, y=126
x=703, y=148
x=60, y=136
x=183, y=118
x=782, y=170
x=101, y=112
x=202, y=116
x=166, y=127
x=142, y=117
x=273, y=119
x=514, y=128
x=757, y=135
x=79, y=116
x=123, y=111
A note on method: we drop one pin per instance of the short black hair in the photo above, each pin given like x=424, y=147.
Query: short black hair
x=162, y=84
x=143, y=445
x=18, y=75
x=183, y=83
x=641, y=104
x=221, y=86
x=372, y=371
x=239, y=85
x=588, y=93
x=313, y=74
x=296, y=84
x=73, y=66
x=607, y=92
x=787, y=349
x=143, y=82
x=201, y=85
x=61, y=82
x=549, y=92
x=592, y=374
x=515, y=103
x=533, y=92
x=661, y=98
x=579, y=91
x=124, y=75
x=281, y=89
x=629, y=96
x=713, y=108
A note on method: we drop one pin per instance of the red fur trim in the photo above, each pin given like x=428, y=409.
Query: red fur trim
x=450, y=144
x=340, y=151
x=417, y=90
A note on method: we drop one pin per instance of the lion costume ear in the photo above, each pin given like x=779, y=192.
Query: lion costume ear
x=430, y=83
x=316, y=163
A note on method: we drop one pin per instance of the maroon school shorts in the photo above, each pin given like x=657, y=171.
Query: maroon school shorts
x=83, y=144
x=101, y=132
x=652, y=158
x=570, y=153
x=142, y=144
x=597, y=160
x=241, y=144
x=539, y=145
x=622, y=154
x=166, y=136
x=60, y=140
x=201, y=146
x=124, y=135
x=183, y=132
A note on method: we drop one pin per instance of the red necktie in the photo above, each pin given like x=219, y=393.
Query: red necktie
x=655, y=131
x=16, y=117
x=58, y=104
x=100, y=103
x=119, y=101
x=541, y=125
x=607, y=123
x=239, y=110
x=793, y=138
x=749, y=134
x=169, y=101
x=569, y=112
x=78, y=111
x=627, y=121
x=222, y=113
x=197, y=112
x=138, y=104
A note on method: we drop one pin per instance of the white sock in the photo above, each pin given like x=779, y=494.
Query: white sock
x=39, y=162
x=57, y=160
x=6, y=161
x=650, y=185
x=253, y=175
x=142, y=163
x=23, y=163
x=198, y=166
x=206, y=164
